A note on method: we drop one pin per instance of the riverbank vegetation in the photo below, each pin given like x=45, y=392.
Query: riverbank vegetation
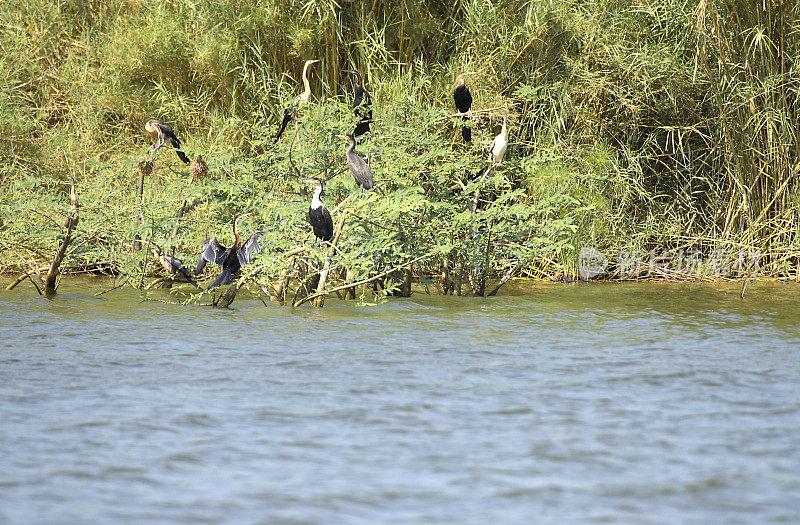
x=666, y=127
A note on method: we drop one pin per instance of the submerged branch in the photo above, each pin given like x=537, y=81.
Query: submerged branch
x=50, y=283
x=363, y=281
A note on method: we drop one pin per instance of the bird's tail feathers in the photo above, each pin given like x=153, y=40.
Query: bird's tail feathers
x=182, y=155
x=226, y=277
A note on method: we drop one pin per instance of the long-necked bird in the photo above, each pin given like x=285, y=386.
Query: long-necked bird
x=173, y=266
x=165, y=135
x=231, y=259
x=463, y=99
x=358, y=167
x=500, y=143
x=301, y=98
x=362, y=105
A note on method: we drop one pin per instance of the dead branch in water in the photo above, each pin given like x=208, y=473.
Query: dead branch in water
x=17, y=281
x=51, y=281
x=323, y=276
x=363, y=281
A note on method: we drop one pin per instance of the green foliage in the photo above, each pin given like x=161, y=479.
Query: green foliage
x=635, y=124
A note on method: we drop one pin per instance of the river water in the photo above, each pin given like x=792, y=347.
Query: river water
x=620, y=403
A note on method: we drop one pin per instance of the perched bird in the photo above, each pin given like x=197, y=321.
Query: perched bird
x=302, y=97
x=165, y=134
x=318, y=214
x=358, y=167
x=173, y=266
x=500, y=143
x=362, y=105
x=463, y=100
x=72, y=218
x=231, y=259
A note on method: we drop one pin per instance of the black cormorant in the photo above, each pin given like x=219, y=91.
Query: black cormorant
x=358, y=167
x=318, y=214
x=463, y=100
x=302, y=97
x=362, y=105
x=231, y=259
x=165, y=134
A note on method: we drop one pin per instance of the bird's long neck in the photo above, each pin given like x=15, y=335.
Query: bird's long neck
x=504, y=130
x=351, y=146
x=307, y=93
x=237, y=239
x=73, y=196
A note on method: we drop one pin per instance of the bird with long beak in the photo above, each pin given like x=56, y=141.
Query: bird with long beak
x=301, y=98
x=362, y=105
x=463, y=99
x=164, y=135
x=318, y=214
x=500, y=143
x=231, y=259
x=358, y=167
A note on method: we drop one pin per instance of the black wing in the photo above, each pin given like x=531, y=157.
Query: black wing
x=169, y=135
x=182, y=155
x=462, y=98
x=359, y=98
x=226, y=277
x=287, y=117
x=212, y=252
x=363, y=111
x=321, y=222
x=360, y=170
x=249, y=249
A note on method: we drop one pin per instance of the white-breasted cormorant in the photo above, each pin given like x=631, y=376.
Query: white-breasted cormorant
x=302, y=97
x=231, y=259
x=362, y=105
x=165, y=134
x=358, y=167
x=318, y=214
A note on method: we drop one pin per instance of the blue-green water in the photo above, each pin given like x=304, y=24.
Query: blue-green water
x=569, y=404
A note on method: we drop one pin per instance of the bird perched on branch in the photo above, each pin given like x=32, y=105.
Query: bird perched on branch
x=463, y=99
x=302, y=97
x=358, y=167
x=362, y=105
x=500, y=143
x=165, y=135
x=318, y=214
x=173, y=266
x=231, y=259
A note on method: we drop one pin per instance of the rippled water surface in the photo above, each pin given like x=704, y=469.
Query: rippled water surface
x=569, y=404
